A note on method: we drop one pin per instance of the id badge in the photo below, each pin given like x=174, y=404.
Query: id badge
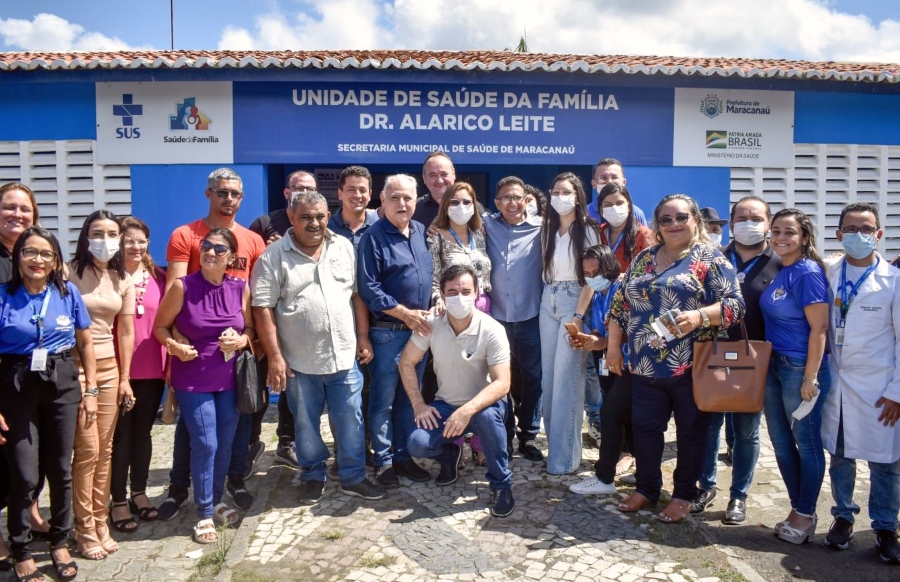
x=39, y=360
x=140, y=310
x=604, y=371
x=839, y=336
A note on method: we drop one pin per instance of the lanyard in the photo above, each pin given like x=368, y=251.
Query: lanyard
x=38, y=318
x=459, y=242
x=845, y=299
x=742, y=273
x=618, y=241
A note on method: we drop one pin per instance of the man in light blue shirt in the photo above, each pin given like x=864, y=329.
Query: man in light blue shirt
x=354, y=217
x=514, y=247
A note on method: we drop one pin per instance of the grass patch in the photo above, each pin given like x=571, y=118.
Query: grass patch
x=210, y=564
x=377, y=562
x=334, y=535
x=729, y=574
x=249, y=576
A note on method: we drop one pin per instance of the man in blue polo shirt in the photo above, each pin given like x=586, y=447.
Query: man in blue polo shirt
x=354, y=217
x=514, y=247
x=609, y=170
x=394, y=275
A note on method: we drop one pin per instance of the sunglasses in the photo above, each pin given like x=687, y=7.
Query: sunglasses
x=668, y=220
x=455, y=202
x=220, y=250
x=223, y=194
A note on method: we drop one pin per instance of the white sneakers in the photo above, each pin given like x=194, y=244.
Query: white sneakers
x=593, y=486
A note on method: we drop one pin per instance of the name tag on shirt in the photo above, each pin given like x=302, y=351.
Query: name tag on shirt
x=604, y=371
x=839, y=336
x=39, y=360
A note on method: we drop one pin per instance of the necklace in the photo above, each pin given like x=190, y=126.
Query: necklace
x=139, y=289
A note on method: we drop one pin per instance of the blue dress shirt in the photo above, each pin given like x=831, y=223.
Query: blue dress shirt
x=515, y=253
x=337, y=225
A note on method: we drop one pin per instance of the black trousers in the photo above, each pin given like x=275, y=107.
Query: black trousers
x=132, y=444
x=41, y=410
x=616, y=433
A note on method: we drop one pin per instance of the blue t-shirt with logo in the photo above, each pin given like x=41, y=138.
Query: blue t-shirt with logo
x=782, y=303
x=18, y=327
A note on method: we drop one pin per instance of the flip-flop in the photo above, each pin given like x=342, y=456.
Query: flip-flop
x=623, y=466
x=635, y=502
x=204, y=527
x=675, y=511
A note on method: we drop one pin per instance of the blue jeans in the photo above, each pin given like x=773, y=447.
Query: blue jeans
x=797, y=443
x=654, y=400
x=488, y=424
x=306, y=396
x=745, y=451
x=884, y=493
x=525, y=385
x=391, y=418
x=563, y=379
x=593, y=395
x=211, y=419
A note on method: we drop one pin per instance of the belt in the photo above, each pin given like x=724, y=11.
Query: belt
x=389, y=325
x=18, y=359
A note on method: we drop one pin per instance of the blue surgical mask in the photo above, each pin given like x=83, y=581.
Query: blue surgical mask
x=599, y=283
x=859, y=245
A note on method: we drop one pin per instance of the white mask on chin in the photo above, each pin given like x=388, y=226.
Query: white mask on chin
x=716, y=239
x=460, y=306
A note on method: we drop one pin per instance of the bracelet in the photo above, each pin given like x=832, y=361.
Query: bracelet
x=579, y=316
x=814, y=382
x=95, y=392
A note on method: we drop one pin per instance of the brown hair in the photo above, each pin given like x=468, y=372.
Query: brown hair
x=443, y=216
x=135, y=222
x=9, y=187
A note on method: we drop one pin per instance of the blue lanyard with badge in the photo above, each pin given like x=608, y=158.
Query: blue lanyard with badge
x=39, y=355
x=843, y=302
x=615, y=246
x=742, y=273
x=459, y=242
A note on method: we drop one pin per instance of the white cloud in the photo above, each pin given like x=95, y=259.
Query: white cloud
x=798, y=29
x=48, y=32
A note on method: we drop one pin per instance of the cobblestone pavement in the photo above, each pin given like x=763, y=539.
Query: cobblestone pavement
x=421, y=532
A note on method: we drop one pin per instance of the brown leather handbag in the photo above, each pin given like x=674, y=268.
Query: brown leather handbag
x=730, y=375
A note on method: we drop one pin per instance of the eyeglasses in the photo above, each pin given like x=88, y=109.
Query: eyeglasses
x=220, y=250
x=130, y=242
x=295, y=193
x=455, y=202
x=561, y=192
x=667, y=219
x=866, y=230
x=223, y=194
x=508, y=199
x=32, y=253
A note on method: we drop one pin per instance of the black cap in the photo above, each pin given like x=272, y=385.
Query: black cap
x=711, y=216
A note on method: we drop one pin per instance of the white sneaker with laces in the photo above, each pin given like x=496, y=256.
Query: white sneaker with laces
x=593, y=486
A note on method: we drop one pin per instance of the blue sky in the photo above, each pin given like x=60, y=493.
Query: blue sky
x=802, y=29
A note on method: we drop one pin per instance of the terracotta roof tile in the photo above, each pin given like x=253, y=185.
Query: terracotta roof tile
x=456, y=60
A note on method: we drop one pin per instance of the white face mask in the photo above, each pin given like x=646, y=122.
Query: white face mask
x=531, y=209
x=616, y=215
x=461, y=214
x=563, y=205
x=103, y=248
x=716, y=239
x=749, y=233
x=460, y=306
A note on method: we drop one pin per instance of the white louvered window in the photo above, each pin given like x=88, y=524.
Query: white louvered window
x=824, y=179
x=67, y=183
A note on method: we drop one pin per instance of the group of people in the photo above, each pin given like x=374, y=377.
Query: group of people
x=542, y=310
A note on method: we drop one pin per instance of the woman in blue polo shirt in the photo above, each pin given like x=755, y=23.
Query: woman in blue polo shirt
x=795, y=310
x=42, y=318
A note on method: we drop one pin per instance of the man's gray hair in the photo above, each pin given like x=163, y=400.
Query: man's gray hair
x=310, y=197
x=222, y=174
x=397, y=181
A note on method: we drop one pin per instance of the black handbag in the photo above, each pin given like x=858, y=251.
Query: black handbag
x=249, y=383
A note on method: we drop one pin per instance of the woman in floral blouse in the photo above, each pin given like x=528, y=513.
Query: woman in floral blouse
x=683, y=272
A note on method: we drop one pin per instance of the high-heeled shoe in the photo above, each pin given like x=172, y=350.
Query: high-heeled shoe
x=793, y=535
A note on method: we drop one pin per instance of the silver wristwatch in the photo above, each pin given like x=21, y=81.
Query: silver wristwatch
x=704, y=319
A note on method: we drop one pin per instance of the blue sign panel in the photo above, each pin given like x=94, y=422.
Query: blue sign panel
x=474, y=123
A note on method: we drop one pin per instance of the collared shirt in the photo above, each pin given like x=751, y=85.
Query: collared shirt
x=462, y=362
x=338, y=226
x=393, y=269
x=426, y=210
x=515, y=253
x=311, y=302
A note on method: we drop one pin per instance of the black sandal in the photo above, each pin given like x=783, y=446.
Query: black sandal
x=6, y=564
x=145, y=513
x=127, y=525
x=36, y=575
x=62, y=567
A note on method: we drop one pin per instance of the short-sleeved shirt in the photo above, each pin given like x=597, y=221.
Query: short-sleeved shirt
x=148, y=362
x=515, y=254
x=461, y=362
x=427, y=209
x=565, y=255
x=394, y=269
x=445, y=253
x=106, y=297
x=5, y=265
x=311, y=301
x=271, y=224
x=184, y=247
x=337, y=225
x=796, y=286
x=19, y=331
x=700, y=276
